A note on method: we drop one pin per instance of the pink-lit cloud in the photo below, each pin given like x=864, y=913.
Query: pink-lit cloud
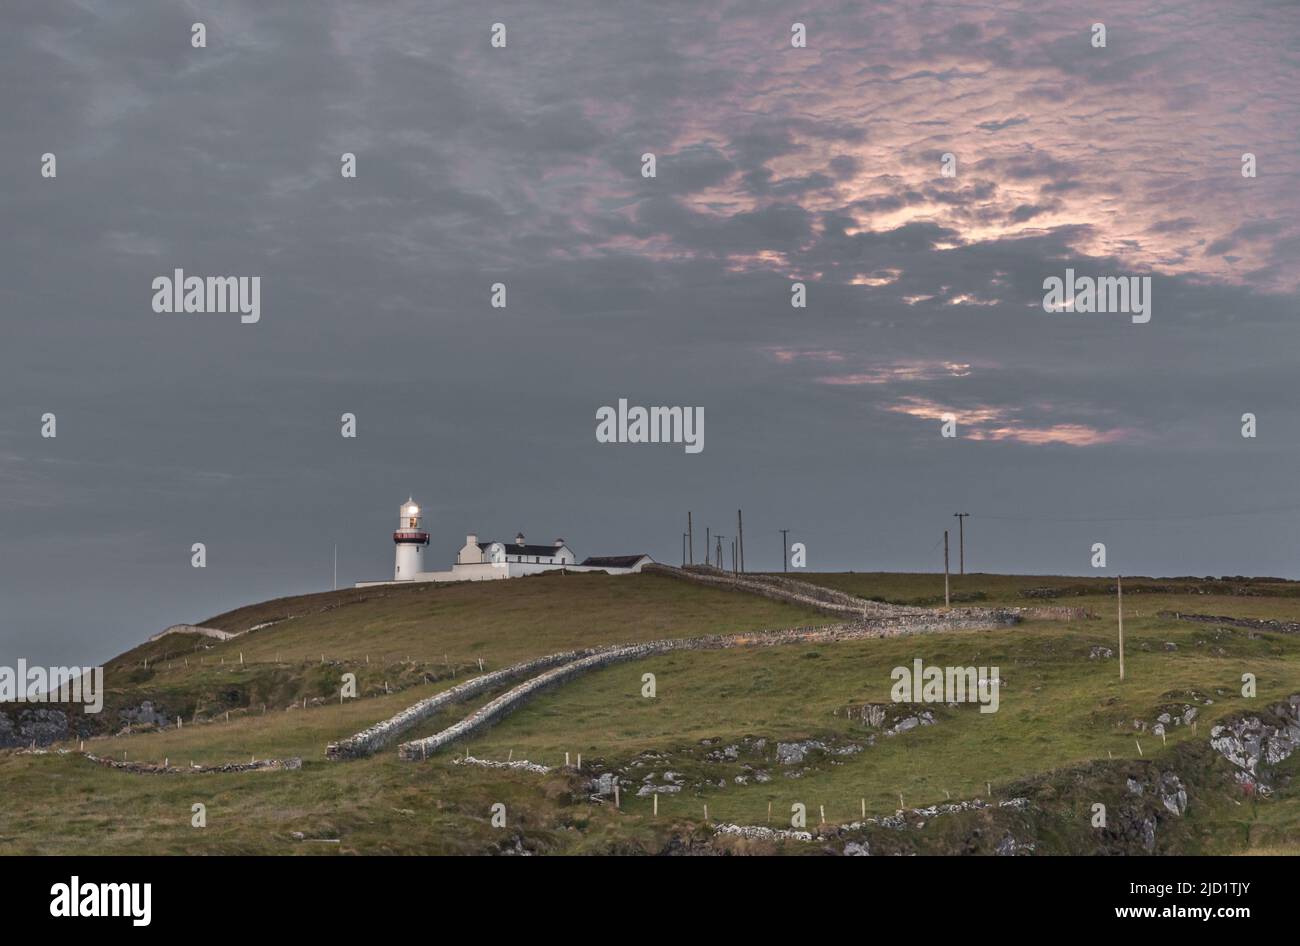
x=899, y=371
x=789, y=355
x=1003, y=423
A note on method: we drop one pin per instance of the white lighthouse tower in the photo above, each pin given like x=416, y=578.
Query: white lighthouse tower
x=410, y=540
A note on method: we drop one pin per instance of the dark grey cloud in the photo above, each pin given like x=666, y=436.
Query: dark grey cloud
x=1003, y=124
x=523, y=166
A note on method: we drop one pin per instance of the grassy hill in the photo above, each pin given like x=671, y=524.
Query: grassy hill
x=427, y=634
x=1065, y=737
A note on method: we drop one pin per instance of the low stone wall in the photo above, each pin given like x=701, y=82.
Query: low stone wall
x=379, y=735
x=720, y=579
x=1053, y=614
x=1252, y=624
x=193, y=629
x=149, y=768
x=822, y=593
x=153, y=768
x=515, y=697
x=521, y=765
x=903, y=818
x=830, y=601
x=751, y=832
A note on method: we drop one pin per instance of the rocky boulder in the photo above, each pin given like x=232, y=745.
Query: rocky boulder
x=1254, y=744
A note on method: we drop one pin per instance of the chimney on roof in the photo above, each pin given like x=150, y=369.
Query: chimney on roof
x=559, y=543
x=519, y=538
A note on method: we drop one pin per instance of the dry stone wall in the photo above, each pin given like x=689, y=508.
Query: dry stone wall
x=153, y=768
x=379, y=735
x=1253, y=624
x=1054, y=614
x=830, y=601
x=822, y=593
x=193, y=629
x=518, y=695
x=720, y=579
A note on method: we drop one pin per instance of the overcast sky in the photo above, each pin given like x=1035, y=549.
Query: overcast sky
x=522, y=165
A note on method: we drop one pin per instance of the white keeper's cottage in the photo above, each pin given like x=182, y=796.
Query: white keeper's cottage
x=487, y=561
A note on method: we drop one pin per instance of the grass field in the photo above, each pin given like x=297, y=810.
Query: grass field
x=1064, y=729
x=459, y=624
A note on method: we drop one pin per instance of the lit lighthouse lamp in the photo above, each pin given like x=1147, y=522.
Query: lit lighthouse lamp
x=410, y=540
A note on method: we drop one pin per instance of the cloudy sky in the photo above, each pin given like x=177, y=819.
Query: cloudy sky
x=522, y=165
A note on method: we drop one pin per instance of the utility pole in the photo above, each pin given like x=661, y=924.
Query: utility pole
x=719, y=555
x=690, y=531
x=336, y=566
x=708, y=547
x=1119, y=598
x=946, y=600
x=683, y=550
x=785, y=555
x=735, y=566
x=961, y=539
x=740, y=539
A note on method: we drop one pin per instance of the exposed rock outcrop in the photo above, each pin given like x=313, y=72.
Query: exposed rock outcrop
x=40, y=726
x=1255, y=743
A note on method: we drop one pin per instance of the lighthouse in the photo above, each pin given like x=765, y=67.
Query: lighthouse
x=490, y=561
x=410, y=540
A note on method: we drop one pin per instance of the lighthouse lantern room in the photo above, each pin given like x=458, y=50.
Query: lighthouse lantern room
x=410, y=540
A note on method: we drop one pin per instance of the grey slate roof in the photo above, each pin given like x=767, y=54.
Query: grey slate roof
x=541, y=551
x=613, y=561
